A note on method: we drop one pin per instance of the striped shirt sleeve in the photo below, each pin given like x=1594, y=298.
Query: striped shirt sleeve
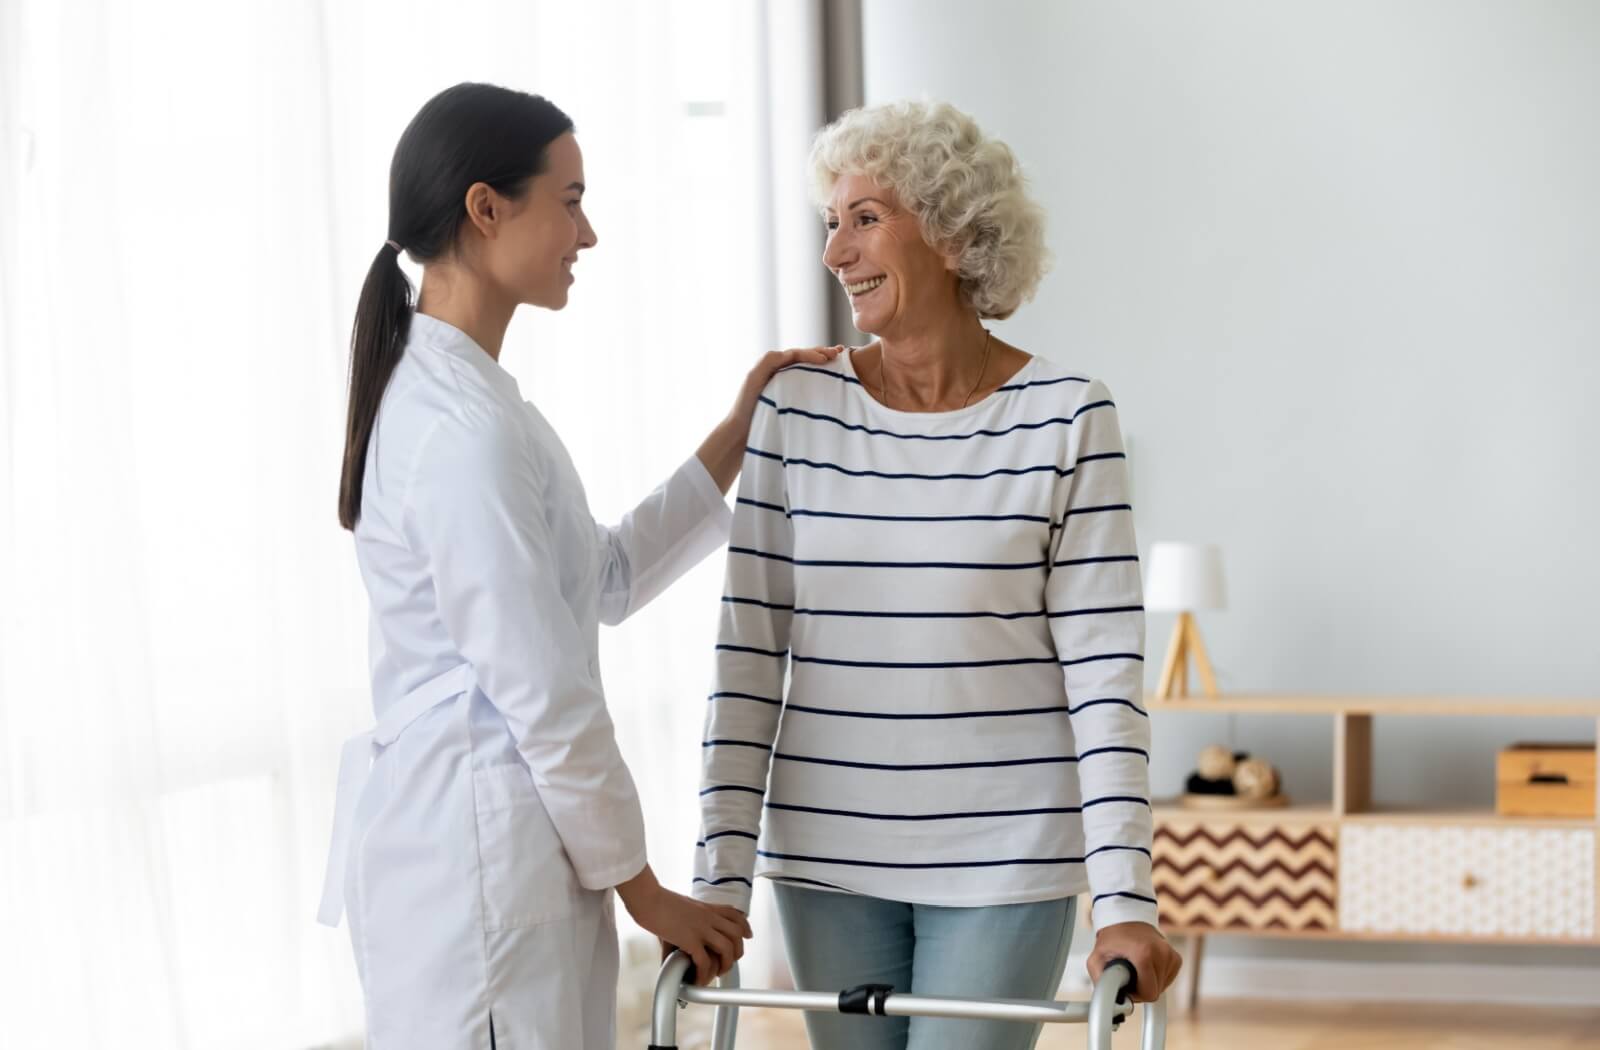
x=752, y=656
x=1094, y=601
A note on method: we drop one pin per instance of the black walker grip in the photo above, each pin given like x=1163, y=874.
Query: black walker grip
x=865, y=999
x=1133, y=978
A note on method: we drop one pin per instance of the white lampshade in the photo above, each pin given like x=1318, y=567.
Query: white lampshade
x=1183, y=577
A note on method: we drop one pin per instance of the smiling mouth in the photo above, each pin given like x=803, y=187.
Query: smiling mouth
x=863, y=287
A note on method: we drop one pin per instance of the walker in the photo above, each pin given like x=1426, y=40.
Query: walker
x=1104, y=1011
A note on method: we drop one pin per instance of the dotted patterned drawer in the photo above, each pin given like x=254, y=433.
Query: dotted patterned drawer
x=1467, y=881
x=1248, y=876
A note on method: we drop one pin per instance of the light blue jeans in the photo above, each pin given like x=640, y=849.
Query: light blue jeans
x=1007, y=951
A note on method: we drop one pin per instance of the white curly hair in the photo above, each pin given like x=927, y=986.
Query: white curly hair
x=966, y=190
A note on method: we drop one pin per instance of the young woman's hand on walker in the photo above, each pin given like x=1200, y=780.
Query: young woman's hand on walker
x=712, y=935
x=722, y=452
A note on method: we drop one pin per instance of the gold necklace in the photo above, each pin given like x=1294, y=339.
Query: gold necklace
x=883, y=379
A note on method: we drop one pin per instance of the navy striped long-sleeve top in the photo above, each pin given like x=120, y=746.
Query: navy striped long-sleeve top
x=929, y=662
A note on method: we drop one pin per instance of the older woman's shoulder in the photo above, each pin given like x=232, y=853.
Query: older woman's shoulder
x=1057, y=382
x=799, y=384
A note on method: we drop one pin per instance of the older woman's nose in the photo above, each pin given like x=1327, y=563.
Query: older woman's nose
x=836, y=253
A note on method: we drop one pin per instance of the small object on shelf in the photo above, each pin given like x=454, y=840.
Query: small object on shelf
x=1545, y=780
x=1255, y=779
x=1231, y=780
x=1181, y=578
x=1216, y=763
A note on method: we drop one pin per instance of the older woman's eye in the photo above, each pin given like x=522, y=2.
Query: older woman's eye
x=864, y=219
x=831, y=224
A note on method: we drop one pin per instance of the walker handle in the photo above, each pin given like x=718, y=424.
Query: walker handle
x=1126, y=981
x=1110, y=1006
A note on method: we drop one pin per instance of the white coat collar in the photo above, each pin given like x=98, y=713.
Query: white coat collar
x=447, y=338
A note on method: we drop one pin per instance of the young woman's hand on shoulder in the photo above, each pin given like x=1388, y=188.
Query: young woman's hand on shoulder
x=770, y=364
x=723, y=450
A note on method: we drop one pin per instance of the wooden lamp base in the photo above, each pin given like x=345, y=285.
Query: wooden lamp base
x=1175, y=670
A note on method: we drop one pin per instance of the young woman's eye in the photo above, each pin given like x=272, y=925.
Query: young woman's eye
x=571, y=205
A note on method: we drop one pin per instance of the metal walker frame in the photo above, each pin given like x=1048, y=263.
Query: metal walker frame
x=1103, y=1012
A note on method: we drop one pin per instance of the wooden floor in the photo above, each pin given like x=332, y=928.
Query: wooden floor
x=1241, y=1025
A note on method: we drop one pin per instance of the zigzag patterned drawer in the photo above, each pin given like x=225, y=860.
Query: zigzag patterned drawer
x=1214, y=875
x=1468, y=881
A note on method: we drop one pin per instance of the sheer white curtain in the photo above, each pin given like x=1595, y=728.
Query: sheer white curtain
x=190, y=195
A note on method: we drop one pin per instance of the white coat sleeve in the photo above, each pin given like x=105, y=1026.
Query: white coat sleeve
x=665, y=536
x=1095, y=605
x=474, y=509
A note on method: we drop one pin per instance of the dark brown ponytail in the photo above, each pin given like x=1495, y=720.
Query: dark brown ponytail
x=383, y=316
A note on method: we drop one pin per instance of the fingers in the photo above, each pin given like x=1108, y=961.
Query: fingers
x=704, y=970
x=777, y=359
x=738, y=917
x=735, y=916
x=733, y=931
x=729, y=949
x=727, y=954
x=1148, y=987
x=815, y=355
x=1151, y=976
x=1158, y=968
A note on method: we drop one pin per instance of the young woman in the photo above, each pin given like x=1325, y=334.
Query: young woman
x=484, y=822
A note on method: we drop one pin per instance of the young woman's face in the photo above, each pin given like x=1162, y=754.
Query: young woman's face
x=543, y=231
x=876, y=251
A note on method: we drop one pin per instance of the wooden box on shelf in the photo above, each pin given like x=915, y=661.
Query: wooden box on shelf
x=1545, y=780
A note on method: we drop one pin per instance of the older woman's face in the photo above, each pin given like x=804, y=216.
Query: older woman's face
x=875, y=249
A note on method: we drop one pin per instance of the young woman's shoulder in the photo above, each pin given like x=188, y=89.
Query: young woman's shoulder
x=478, y=442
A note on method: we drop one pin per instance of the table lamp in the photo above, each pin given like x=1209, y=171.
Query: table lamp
x=1184, y=577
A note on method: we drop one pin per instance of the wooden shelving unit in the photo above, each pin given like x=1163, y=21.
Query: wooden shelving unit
x=1353, y=869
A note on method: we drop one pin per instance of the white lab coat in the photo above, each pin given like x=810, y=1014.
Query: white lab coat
x=482, y=823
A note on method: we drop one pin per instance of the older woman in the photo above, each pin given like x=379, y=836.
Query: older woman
x=933, y=537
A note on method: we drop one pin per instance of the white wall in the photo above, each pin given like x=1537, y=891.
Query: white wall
x=1339, y=264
